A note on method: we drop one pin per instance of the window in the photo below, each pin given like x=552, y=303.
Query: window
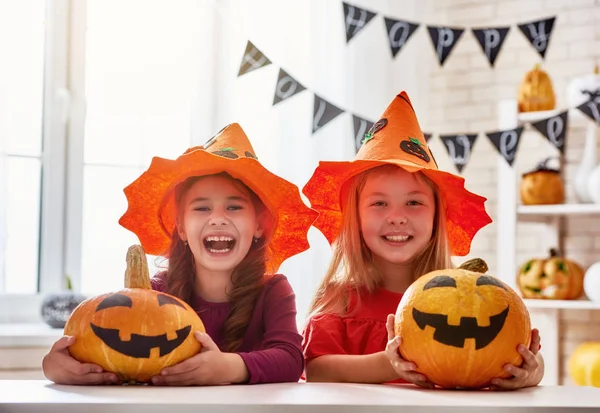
x=21, y=149
x=84, y=106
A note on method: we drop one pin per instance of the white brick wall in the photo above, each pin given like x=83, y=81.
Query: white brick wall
x=467, y=91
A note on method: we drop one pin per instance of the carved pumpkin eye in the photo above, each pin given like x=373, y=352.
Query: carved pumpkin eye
x=440, y=281
x=487, y=280
x=115, y=300
x=165, y=299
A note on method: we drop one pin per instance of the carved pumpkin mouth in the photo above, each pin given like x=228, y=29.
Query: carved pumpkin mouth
x=139, y=346
x=455, y=335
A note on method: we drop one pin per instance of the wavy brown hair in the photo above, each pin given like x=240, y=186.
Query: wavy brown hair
x=247, y=279
x=352, y=266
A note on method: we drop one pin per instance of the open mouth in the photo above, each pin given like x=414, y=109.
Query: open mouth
x=397, y=238
x=455, y=335
x=139, y=346
x=219, y=244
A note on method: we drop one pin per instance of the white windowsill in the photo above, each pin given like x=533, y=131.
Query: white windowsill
x=20, y=335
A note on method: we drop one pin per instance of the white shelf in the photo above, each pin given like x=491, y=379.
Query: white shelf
x=559, y=209
x=532, y=117
x=562, y=304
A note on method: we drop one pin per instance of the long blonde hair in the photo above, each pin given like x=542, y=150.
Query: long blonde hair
x=352, y=266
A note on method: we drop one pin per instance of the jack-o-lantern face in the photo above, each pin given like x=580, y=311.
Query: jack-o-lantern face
x=554, y=278
x=460, y=327
x=138, y=345
x=135, y=332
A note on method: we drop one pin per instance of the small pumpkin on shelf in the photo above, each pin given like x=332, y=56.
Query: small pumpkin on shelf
x=542, y=186
x=536, y=92
x=461, y=326
x=554, y=278
x=584, y=364
x=134, y=332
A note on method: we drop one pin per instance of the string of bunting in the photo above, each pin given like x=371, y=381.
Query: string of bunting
x=445, y=38
x=459, y=146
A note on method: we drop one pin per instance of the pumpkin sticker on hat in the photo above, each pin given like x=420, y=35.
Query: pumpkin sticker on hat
x=397, y=140
x=151, y=212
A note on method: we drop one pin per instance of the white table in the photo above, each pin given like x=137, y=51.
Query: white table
x=19, y=396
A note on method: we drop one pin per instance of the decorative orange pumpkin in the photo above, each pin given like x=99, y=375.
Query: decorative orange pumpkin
x=461, y=327
x=135, y=332
x=536, y=91
x=555, y=278
x=542, y=186
x=584, y=364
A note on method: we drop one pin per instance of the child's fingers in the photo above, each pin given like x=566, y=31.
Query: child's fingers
x=185, y=366
x=519, y=373
x=534, y=347
x=390, y=326
x=529, y=360
x=63, y=343
x=506, y=384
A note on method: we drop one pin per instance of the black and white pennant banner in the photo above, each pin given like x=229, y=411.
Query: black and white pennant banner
x=286, y=87
x=427, y=136
x=253, y=59
x=355, y=19
x=538, y=33
x=592, y=109
x=507, y=143
x=399, y=31
x=361, y=127
x=491, y=40
x=459, y=148
x=444, y=39
x=554, y=129
x=323, y=113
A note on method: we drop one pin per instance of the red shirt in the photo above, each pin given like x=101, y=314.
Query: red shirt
x=363, y=332
x=272, y=346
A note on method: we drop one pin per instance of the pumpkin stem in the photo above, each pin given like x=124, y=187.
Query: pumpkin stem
x=137, y=274
x=553, y=252
x=475, y=265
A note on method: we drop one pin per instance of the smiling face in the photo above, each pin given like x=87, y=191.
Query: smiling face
x=396, y=211
x=219, y=221
x=134, y=332
x=461, y=327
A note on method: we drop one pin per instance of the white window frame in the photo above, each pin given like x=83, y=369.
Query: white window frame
x=62, y=143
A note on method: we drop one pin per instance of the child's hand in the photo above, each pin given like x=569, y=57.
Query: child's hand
x=61, y=368
x=405, y=369
x=208, y=367
x=531, y=371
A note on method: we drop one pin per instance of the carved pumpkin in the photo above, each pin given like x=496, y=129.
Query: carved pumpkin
x=461, y=327
x=584, y=364
x=536, y=91
x=542, y=186
x=554, y=278
x=134, y=332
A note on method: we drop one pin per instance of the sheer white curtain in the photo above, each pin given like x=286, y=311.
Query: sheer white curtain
x=307, y=39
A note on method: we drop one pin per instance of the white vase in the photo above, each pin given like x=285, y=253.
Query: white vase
x=586, y=167
x=591, y=282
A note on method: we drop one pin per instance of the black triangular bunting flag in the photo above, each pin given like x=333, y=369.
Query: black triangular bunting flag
x=399, y=31
x=286, y=87
x=491, y=40
x=444, y=39
x=507, y=142
x=253, y=59
x=538, y=33
x=361, y=127
x=323, y=113
x=355, y=19
x=592, y=109
x=554, y=129
x=427, y=136
x=459, y=148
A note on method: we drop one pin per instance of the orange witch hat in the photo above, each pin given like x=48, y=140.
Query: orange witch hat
x=397, y=139
x=151, y=212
